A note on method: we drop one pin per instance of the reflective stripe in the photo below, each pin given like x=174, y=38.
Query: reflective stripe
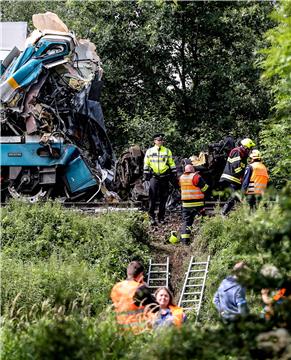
x=192, y=191
x=185, y=236
x=232, y=160
x=204, y=188
x=237, y=170
x=229, y=177
x=193, y=204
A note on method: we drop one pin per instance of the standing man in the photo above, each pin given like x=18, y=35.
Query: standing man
x=159, y=166
x=255, y=180
x=234, y=170
x=230, y=298
x=192, y=196
x=130, y=297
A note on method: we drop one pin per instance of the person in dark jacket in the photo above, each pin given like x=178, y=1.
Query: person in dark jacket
x=230, y=298
x=234, y=171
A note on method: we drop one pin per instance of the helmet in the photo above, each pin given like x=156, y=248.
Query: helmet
x=173, y=238
x=248, y=143
x=255, y=154
x=189, y=168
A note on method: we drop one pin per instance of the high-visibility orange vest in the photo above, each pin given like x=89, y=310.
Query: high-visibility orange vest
x=279, y=295
x=259, y=179
x=188, y=190
x=129, y=316
x=177, y=313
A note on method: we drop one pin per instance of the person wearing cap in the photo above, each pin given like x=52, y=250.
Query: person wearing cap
x=159, y=167
x=230, y=298
x=234, y=170
x=255, y=179
x=193, y=188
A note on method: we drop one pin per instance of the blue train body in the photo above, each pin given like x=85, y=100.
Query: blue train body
x=66, y=157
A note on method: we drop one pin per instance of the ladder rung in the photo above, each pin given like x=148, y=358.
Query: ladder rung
x=194, y=285
x=190, y=308
x=199, y=263
x=158, y=264
x=153, y=279
x=197, y=270
x=188, y=301
x=193, y=293
x=195, y=278
x=158, y=272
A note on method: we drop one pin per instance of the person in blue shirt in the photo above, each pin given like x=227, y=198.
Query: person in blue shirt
x=230, y=298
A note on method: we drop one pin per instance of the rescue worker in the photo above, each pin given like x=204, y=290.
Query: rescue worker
x=233, y=172
x=130, y=297
x=230, y=298
x=192, y=196
x=159, y=167
x=255, y=179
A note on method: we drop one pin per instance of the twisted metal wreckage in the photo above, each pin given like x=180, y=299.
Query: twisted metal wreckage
x=53, y=138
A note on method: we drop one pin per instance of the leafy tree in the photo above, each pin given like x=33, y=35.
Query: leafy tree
x=189, y=62
x=277, y=65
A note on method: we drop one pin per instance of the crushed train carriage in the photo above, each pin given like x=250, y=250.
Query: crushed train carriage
x=53, y=137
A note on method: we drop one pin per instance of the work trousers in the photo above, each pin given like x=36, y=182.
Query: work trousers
x=188, y=215
x=253, y=200
x=232, y=200
x=159, y=189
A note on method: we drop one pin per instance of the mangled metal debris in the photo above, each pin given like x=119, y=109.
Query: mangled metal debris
x=53, y=137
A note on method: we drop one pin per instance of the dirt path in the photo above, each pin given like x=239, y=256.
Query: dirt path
x=179, y=255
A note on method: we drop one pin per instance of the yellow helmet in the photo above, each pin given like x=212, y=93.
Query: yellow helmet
x=173, y=238
x=255, y=155
x=248, y=143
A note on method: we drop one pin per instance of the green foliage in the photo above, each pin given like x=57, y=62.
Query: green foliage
x=275, y=135
x=65, y=258
x=259, y=238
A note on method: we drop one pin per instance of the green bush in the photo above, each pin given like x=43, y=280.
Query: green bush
x=58, y=256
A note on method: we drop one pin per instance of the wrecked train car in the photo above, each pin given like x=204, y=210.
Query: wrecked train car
x=53, y=138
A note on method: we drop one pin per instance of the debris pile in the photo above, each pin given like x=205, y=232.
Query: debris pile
x=53, y=137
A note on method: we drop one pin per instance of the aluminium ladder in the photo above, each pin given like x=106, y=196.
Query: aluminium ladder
x=158, y=274
x=194, y=285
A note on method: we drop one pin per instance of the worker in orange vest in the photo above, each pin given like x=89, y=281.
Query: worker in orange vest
x=192, y=196
x=255, y=179
x=130, y=297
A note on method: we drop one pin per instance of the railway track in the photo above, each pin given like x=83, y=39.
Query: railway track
x=101, y=207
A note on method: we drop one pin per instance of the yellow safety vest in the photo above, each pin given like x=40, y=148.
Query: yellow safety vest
x=159, y=160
